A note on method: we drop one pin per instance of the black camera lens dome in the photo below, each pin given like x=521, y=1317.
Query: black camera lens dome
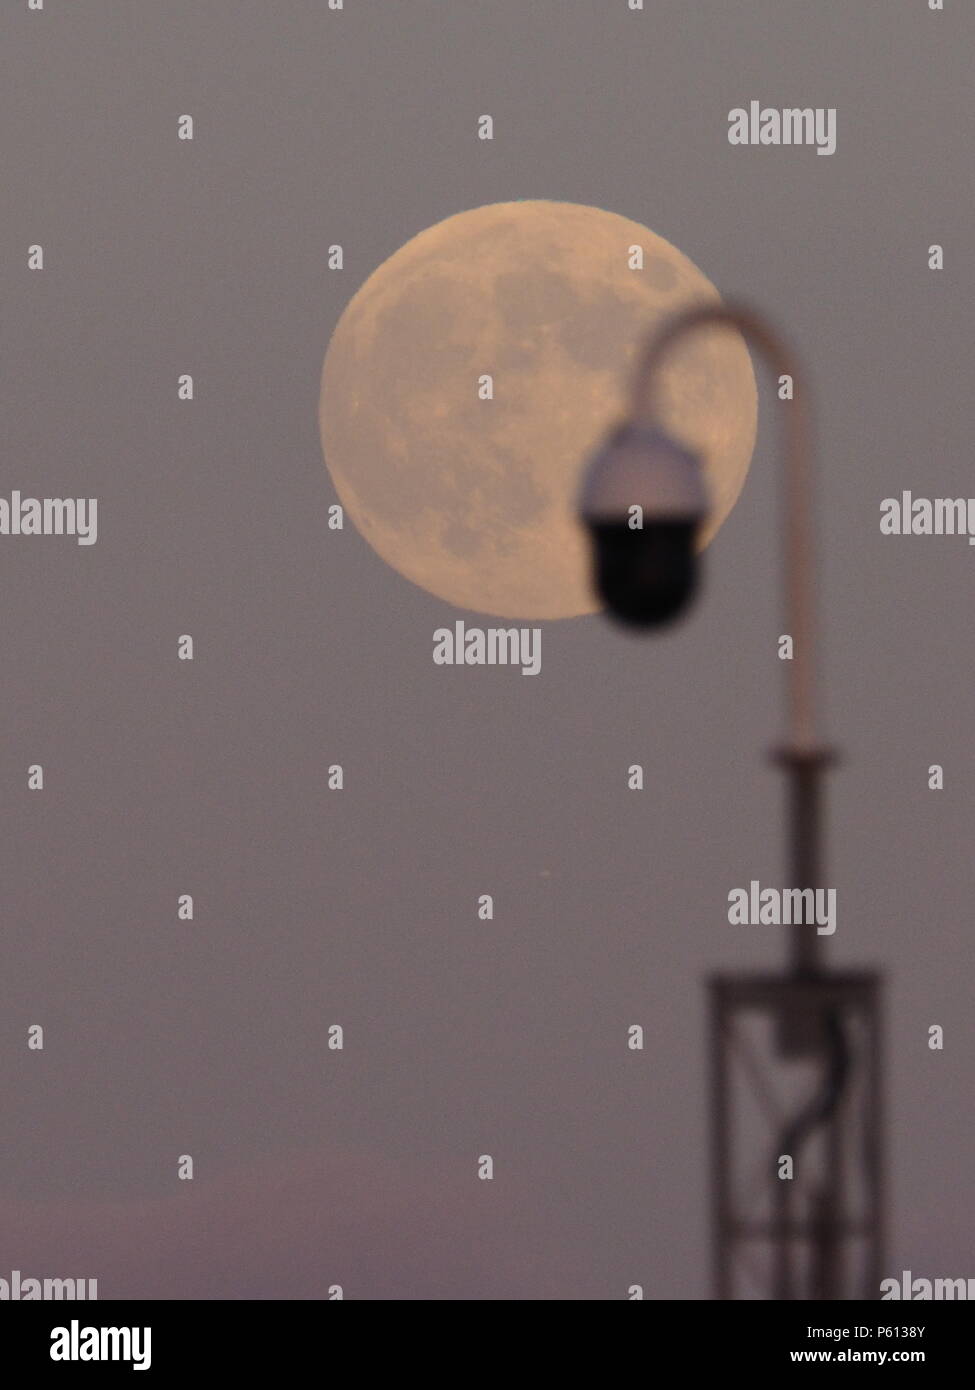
x=648, y=576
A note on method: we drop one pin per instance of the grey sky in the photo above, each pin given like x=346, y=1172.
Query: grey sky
x=359, y=908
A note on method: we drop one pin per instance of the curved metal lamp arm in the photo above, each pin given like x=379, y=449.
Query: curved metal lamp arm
x=797, y=526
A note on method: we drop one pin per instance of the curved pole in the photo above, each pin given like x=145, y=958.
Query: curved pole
x=797, y=528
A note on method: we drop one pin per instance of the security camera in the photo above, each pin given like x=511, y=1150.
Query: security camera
x=643, y=500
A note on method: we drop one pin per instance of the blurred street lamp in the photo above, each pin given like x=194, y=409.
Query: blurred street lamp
x=644, y=501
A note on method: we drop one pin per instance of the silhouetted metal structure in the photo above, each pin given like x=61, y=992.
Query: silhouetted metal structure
x=796, y=1055
x=818, y=1235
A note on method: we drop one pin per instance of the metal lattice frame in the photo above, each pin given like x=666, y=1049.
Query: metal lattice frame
x=818, y=1235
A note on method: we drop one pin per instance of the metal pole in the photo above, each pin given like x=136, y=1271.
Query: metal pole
x=818, y=1033
x=797, y=496
x=801, y=756
x=805, y=818
x=720, y=1145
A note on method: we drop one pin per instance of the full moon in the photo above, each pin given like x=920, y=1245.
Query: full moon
x=467, y=486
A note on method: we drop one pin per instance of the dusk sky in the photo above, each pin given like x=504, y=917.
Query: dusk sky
x=314, y=907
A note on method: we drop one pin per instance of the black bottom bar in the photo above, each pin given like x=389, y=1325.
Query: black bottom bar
x=316, y=1338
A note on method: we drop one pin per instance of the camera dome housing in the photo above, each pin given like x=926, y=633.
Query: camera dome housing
x=643, y=500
